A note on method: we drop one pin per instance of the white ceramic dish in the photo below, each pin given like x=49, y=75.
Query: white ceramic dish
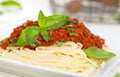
x=112, y=40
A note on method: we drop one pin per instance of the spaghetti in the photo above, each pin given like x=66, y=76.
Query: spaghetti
x=58, y=42
x=69, y=57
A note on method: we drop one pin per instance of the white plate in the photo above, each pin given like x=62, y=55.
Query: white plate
x=112, y=40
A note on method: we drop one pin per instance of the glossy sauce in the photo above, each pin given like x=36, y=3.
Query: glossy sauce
x=84, y=36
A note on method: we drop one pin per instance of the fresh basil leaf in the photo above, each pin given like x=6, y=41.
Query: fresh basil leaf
x=11, y=3
x=73, y=34
x=55, y=21
x=41, y=19
x=50, y=23
x=59, y=44
x=44, y=34
x=28, y=36
x=98, y=53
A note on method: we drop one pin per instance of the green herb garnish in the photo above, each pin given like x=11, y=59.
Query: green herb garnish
x=69, y=27
x=4, y=4
x=50, y=23
x=44, y=34
x=73, y=34
x=11, y=3
x=59, y=44
x=95, y=52
x=55, y=21
x=30, y=34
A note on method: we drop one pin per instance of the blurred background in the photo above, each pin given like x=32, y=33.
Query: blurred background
x=98, y=11
x=95, y=13
x=105, y=11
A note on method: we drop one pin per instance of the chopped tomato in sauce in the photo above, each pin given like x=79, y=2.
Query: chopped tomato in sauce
x=85, y=36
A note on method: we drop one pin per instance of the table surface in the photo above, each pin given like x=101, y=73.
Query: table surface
x=30, y=10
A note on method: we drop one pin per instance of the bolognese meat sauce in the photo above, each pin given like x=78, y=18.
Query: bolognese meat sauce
x=75, y=31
